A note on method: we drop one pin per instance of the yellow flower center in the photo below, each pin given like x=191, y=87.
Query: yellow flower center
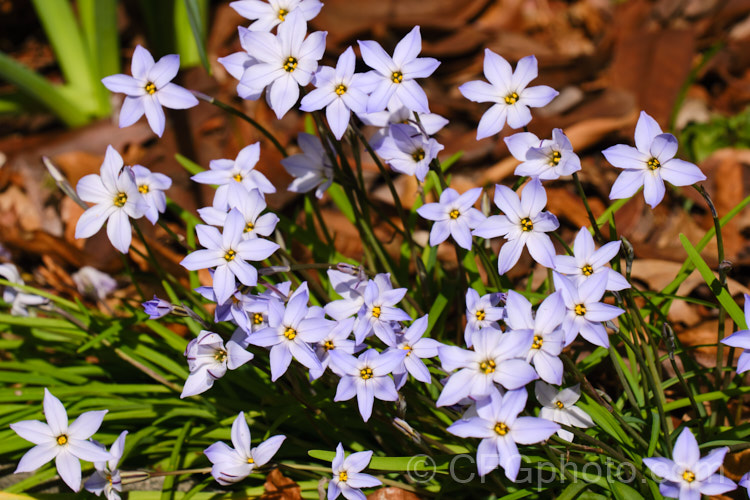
x=653, y=164
x=501, y=428
x=579, y=309
x=328, y=345
x=397, y=77
x=454, y=214
x=526, y=224
x=248, y=227
x=220, y=356
x=343, y=476
x=538, y=342
x=237, y=177
x=150, y=88
x=143, y=189
x=282, y=14
x=62, y=439
x=340, y=89
x=587, y=270
x=230, y=255
x=511, y=98
x=480, y=315
x=376, y=312
x=366, y=373
x=487, y=366
x=555, y=158
x=418, y=155
x=257, y=318
x=688, y=476
x=290, y=333
x=120, y=200
x=290, y=64
x=250, y=460
x=559, y=404
x=408, y=350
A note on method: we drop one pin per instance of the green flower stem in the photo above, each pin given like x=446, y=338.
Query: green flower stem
x=488, y=267
x=236, y=112
x=597, y=233
x=624, y=381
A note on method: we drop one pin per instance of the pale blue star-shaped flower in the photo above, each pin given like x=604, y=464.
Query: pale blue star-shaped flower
x=208, y=360
x=366, y=377
x=231, y=465
x=688, y=476
x=347, y=478
x=338, y=90
x=522, y=225
x=585, y=312
x=741, y=340
x=236, y=64
x=228, y=252
x=429, y=123
x=67, y=444
x=559, y=406
x=106, y=478
x=152, y=185
x=394, y=77
x=454, y=216
x=482, y=312
x=250, y=204
x=496, y=359
x=587, y=261
x=509, y=91
x=351, y=287
x=149, y=89
x=267, y=15
x=649, y=164
x=311, y=169
x=378, y=312
x=116, y=198
x=19, y=301
x=408, y=151
x=548, y=340
x=546, y=159
x=417, y=348
x=337, y=338
x=286, y=61
x=501, y=429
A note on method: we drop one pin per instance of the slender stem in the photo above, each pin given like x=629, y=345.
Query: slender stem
x=236, y=112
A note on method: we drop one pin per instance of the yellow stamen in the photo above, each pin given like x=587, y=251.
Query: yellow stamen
x=511, y=98
x=343, y=476
x=230, y=255
x=290, y=64
x=538, y=342
x=397, y=77
x=480, y=315
x=454, y=214
x=418, y=155
x=257, y=318
x=290, y=333
x=282, y=14
x=408, y=350
x=366, y=373
x=501, y=428
x=555, y=158
x=376, y=312
x=250, y=460
x=579, y=309
x=220, y=356
x=559, y=404
x=487, y=366
x=340, y=89
x=688, y=476
x=587, y=270
x=237, y=177
x=328, y=345
x=150, y=88
x=248, y=227
x=120, y=200
x=526, y=224
x=653, y=164
x=62, y=439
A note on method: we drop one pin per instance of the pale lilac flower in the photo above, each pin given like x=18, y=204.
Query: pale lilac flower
x=236, y=64
x=338, y=90
x=94, y=283
x=407, y=151
x=106, y=478
x=496, y=359
x=152, y=186
x=351, y=287
x=208, y=360
x=522, y=225
x=417, y=348
x=587, y=261
x=366, y=377
x=250, y=204
x=290, y=332
x=157, y=308
x=509, y=91
x=55, y=439
x=149, y=89
x=741, y=340
x=267, y=15
x=240, y=170
x=378, y=311
x=337, y=338
x=231, y=465
x=745, y=482
x=649, y=164
x=548, y=341
x=19, y=301
x=347, y=478
x=116, y=197
x=688, y=476
x=559, y=406
x=547, y=159
x=395, y=77
x=501, y=429
x=585, y=312
x=482, y=312
x=454, y=216
x=311, y=169
x=429, y=123
x=285, y=61
x=228, y=252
